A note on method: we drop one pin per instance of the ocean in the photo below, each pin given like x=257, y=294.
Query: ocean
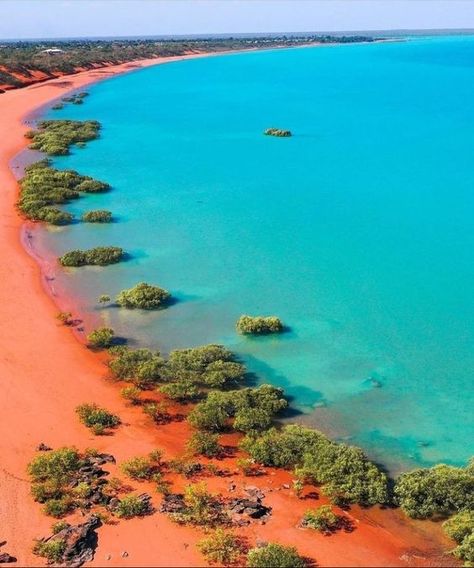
x=357, y=231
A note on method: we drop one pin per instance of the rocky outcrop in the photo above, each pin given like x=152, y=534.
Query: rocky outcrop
x=80, y=542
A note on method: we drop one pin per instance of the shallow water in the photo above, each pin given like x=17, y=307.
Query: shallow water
x=357, y=231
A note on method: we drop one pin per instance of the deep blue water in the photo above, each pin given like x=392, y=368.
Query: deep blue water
x=357, y=231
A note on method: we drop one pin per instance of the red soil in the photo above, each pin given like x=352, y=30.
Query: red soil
x=46, y=373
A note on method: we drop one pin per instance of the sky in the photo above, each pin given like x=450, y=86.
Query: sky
x=84, y=18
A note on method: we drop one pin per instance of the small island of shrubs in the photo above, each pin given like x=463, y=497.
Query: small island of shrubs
x=143, y=296
x=259, y=325
x=43, y=187
x=278, y=132
x=98, y=256
x=55, y=137
x=97, y=216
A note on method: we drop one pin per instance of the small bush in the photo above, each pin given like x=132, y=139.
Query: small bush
x=132, y=394
x=278, y=132
x=65, y=318
x=52, y=550
x=275, y=556
x=322, y=519
x=259, y=325
x=158, y=412
x=140, y=468
x=57, y=465
x=221, y=547
x=58, y=507
x=98, y=216
x=132, y=506
x=97, y=418
x=247, y=466
x=201, y=508
x=104, y=299
x=143, y=296
x=59, y=526
x=101, y=338
x=205, y=444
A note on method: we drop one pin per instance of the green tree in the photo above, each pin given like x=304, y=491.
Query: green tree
x=275, y=556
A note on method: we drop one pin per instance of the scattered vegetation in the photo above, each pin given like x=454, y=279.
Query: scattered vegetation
x=278, y=132
x=344, y=472
x=97, y=419
x=259, y=325
x=221, y=547
x=98, y=256
x=101, y=338
x=143, y=296
x=252, y=409
x=97, y=216
x=276, y=556
x=104, y=299
x=55, y=137
x=143, y=468
x=43, y=188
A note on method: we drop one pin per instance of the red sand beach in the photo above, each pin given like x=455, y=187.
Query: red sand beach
x=46, y=373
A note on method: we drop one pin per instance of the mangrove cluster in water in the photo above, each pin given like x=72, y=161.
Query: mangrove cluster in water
x=143, y=296
x=43, y=188
x=278, y=132
x=98, y=256
x=55, y=137
x=97, y=216
x=259, y=325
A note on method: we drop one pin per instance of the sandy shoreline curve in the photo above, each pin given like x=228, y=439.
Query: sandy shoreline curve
x=46, y=373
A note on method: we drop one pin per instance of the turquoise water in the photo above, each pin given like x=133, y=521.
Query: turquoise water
x=357, y=231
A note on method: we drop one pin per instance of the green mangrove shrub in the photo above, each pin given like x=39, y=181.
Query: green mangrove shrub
x=344, y=472
x=143, y=296
x=252, y=409
x=278, y=132
x=101, y=338
x=435, y=492
x=98, y=256
x=205, y=444
x=322, y=519
x=97, y=419
x=97, y=216
x=221, y=547
x=276, y=556
x=259, y=325
x=143, y=367
x=55, y=137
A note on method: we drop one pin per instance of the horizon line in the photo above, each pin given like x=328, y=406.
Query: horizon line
x=228, y=35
